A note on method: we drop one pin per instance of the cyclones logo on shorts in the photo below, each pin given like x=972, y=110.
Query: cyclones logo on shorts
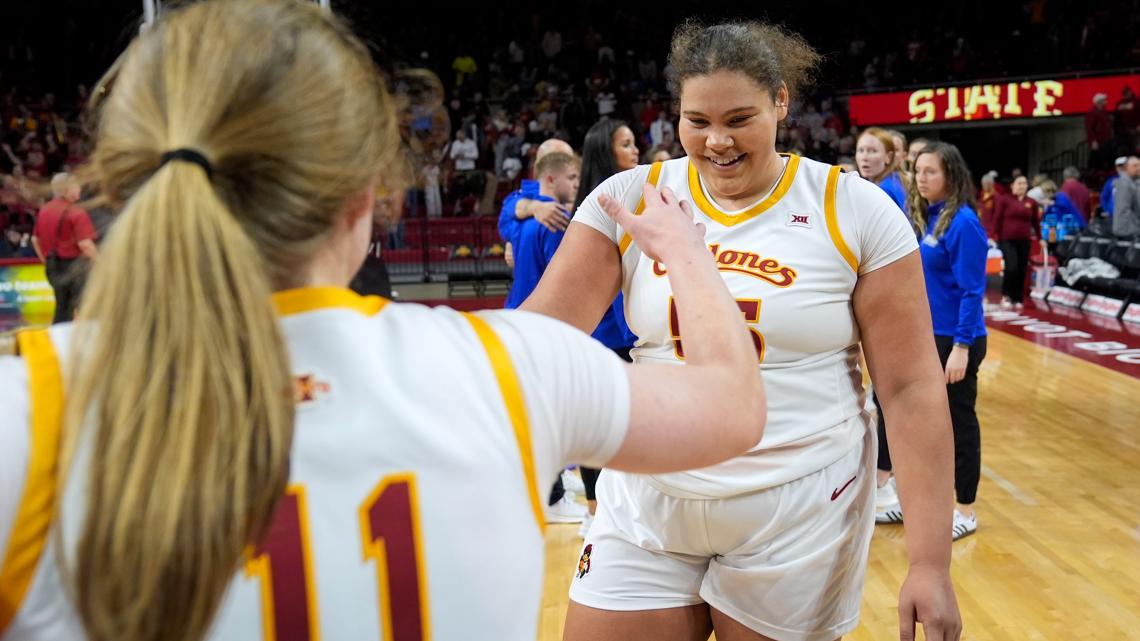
x=584, y=561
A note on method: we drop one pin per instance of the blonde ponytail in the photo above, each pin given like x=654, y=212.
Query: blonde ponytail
x=190, y=383
x=180, y=387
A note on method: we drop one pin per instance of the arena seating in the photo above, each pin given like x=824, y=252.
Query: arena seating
x=465, y=252
x=1096, y=242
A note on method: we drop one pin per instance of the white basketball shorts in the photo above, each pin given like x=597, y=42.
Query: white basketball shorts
x=787, y=562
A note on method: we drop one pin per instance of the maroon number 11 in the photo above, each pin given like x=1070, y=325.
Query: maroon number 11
x=390, y=529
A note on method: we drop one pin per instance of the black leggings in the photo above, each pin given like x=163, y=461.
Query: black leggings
x=1016, y=255
x=963, y=397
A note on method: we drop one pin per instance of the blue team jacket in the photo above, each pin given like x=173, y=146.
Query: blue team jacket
x=954, y=267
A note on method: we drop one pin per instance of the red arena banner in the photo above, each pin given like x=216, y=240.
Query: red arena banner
x=1005, y=100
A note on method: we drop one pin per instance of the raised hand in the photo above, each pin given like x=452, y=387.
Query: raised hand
x=664, y=229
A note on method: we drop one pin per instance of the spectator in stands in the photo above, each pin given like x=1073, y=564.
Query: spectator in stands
x=432, y=200
x=953, y=252
x=1015, y=224
x=1056, y=203
x=879, y=162
x=915, y=148
x=988, y=198
x=899, y=139
x=1127, y=119
x=661, y=128
x=63, y=237
x=658, y=154
x=1106, y=196
x=464, y=152
x=552, y=43
x=16, y=244
x=1098, y=131
x=1036, y=192
x=1076, y=191
x=607, y=103
x=464, y=67
x=1126, y=201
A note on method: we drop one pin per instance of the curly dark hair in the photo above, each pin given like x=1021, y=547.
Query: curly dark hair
x=768, y=54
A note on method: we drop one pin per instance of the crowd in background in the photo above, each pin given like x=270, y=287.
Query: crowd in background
x=508, y=84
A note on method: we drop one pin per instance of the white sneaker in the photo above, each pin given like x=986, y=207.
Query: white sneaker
x=887, y=506
x=964, y=526
x=572, y=482
x=585, y=527
x=566, y=510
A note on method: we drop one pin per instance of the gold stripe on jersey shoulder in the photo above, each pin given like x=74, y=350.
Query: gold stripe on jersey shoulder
x=713, y=212
x=832, y=215
x=654, y=177
x=33, y=520
x=308, y=299
x=512, y=392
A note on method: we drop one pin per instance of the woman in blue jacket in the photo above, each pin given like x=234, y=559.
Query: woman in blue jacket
x=952, y=242
x=880, y=162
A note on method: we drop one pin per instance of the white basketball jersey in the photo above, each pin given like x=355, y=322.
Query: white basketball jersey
x=426, y=443
x=792, y=261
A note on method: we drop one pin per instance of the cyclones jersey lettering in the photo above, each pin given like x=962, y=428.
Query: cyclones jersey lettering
x=744, y=262
x=792, y=261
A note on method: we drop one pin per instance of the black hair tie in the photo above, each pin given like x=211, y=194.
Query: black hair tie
x=189, y=155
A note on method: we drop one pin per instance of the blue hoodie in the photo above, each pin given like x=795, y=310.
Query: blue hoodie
x=954, y=267
x=534, y=247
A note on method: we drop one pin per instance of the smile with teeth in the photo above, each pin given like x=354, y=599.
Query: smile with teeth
x=726, y=162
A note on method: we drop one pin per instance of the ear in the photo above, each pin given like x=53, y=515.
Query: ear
x=359, y=205
x=782, y=100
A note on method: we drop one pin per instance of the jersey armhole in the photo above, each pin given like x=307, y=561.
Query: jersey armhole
x=37, y=504
x=511, y=389
x=653, y=179
x=831, y=215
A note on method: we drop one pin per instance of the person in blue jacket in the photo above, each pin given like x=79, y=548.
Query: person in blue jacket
x=1058, y=204
x=953, y=246
x=879, y=162
x=524, y=204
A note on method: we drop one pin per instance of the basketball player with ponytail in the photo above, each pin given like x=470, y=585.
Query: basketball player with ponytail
x=229, y=444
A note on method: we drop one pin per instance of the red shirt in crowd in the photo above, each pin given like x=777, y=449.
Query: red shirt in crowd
x=1015, y=218
x=76, y=226
x=1098, y=125
x=1128, y=114
x=1079, y=194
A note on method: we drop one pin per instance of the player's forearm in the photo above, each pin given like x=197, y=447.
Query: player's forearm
x=709, y=318
x=922, y=450
x=524, y=208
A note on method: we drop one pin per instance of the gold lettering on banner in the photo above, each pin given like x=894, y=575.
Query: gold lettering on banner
x=986, y=101
x=922, y=108
x=1045, y=95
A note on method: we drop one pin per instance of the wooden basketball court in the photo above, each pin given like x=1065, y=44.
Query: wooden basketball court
x=1057, y=553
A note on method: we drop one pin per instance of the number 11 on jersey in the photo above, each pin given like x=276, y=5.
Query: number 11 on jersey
x=392, y=540
x=750, y=307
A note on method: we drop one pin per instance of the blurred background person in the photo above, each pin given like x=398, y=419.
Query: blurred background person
x=64, y=239
x=1015, y=223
